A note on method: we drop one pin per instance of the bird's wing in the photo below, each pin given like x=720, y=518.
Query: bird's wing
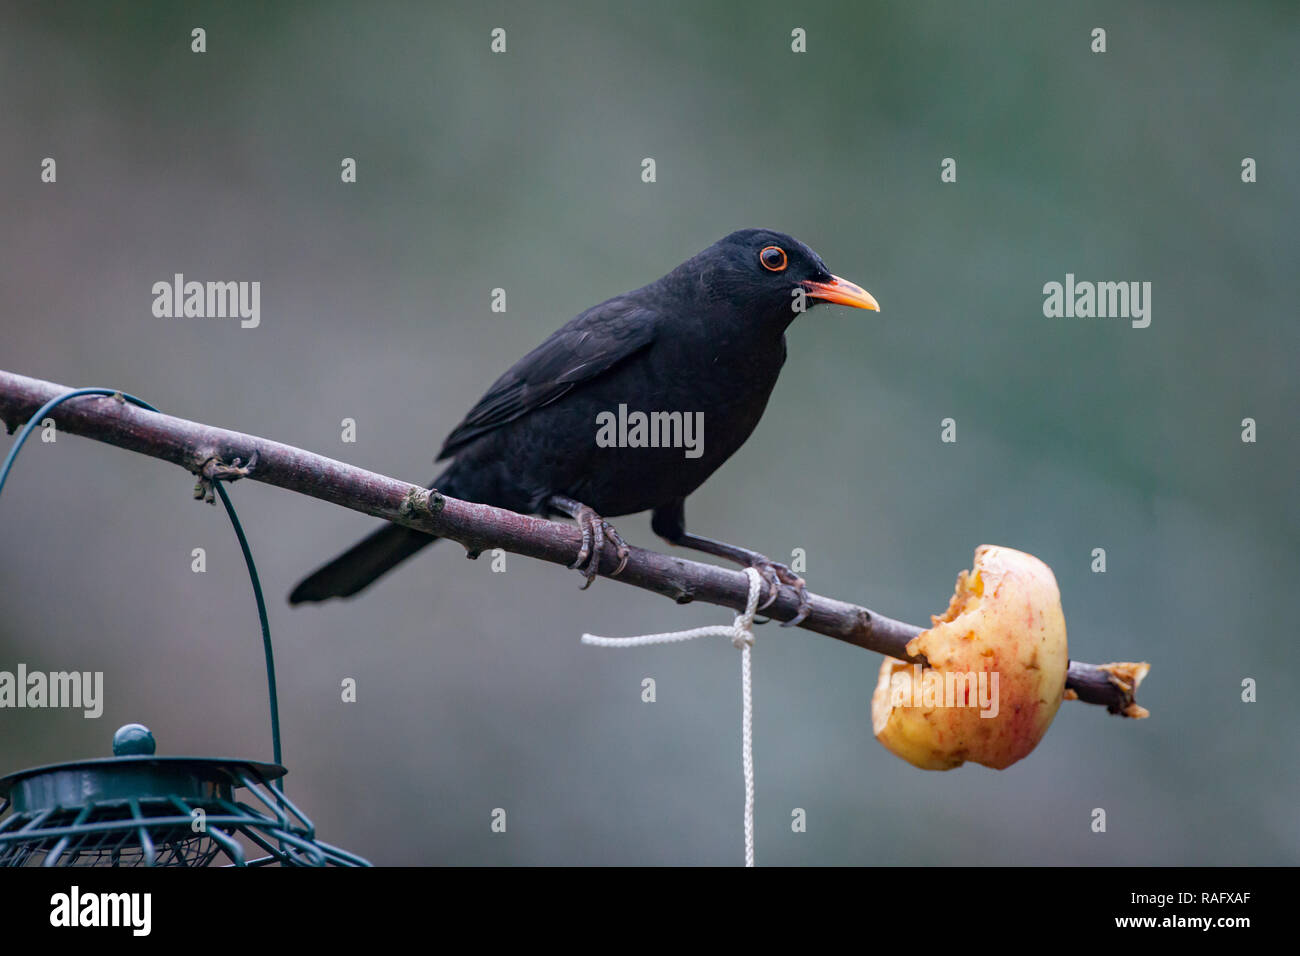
x=588, y=346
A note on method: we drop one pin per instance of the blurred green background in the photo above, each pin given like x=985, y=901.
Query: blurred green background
x=522, y=171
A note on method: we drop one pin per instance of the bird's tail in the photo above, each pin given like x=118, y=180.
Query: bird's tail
x=359, y=566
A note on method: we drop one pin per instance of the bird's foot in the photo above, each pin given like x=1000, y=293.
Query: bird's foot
x=595, y=531
x=777, y=574
x=773, y=572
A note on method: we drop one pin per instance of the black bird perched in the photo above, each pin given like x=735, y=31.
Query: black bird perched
x=701, y=347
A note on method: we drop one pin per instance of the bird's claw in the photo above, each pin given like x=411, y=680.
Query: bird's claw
x=595, y=530
x=777, y=574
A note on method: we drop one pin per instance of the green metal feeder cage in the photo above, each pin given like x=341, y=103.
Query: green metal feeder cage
x=139, y=809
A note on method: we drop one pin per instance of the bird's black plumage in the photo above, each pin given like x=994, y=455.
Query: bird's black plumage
x=708, y=337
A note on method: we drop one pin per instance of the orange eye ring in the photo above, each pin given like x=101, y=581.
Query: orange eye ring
x=772, y=258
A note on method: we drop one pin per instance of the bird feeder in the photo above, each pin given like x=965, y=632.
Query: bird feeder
x=139, y=809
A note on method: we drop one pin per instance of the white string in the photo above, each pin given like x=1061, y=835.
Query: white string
x=741, y=632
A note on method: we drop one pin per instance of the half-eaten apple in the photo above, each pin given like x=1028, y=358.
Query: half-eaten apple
x=994, y=671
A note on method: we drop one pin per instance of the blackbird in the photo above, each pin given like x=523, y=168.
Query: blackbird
x=629, y=407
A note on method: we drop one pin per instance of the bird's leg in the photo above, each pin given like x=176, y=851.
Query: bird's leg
x=595, y=530
x=669, y=522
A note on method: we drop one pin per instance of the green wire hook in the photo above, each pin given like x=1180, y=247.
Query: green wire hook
x=31, y=425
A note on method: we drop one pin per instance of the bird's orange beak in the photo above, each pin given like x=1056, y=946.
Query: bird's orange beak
x=841, y=292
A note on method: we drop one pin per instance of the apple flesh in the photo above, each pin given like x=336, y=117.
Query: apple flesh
x=995, y=672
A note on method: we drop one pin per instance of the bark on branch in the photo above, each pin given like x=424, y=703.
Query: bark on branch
x=220, y=454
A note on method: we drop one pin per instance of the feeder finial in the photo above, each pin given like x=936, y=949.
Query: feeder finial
x=133, y=739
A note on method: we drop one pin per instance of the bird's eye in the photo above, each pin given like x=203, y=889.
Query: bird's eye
x=773, y=258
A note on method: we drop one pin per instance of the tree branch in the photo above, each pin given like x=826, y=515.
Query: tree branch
x=216, y=454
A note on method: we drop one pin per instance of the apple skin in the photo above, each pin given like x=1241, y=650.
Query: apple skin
x=1004, y=619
